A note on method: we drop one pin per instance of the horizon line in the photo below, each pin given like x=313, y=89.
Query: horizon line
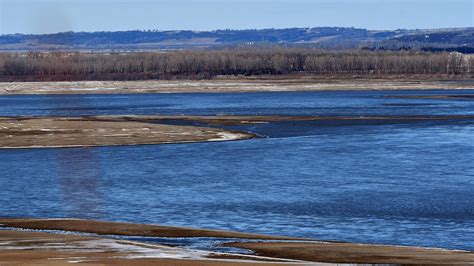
x=241, y=29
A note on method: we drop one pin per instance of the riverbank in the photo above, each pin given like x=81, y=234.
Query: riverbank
x=65, y=246
x=230, y=85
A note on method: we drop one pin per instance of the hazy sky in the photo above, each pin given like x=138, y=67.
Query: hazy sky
x=47, y=16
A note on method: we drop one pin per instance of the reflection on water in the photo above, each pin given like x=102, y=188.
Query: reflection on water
x=78, y=170
x=79, y=176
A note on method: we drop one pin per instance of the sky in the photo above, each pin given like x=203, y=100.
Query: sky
x=50, y=16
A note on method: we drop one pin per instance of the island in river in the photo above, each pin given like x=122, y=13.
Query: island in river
x=90, y=131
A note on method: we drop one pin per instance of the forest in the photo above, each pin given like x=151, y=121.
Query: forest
x=202, y=64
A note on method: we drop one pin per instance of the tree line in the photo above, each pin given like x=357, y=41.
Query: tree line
x=36, y=66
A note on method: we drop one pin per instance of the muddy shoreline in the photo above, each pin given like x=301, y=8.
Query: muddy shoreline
x=127, y=229
x=39, y=248
x=21, y=245
x=222, y=85
x=357, y=253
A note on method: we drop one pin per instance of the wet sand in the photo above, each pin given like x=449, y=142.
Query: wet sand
x=26, y=247
x=86, y=132
x=127, y=229
x=261, y=84
x=36, y=248
x=357, y=253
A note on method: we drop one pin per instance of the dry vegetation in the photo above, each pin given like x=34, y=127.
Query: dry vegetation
x=209, y=63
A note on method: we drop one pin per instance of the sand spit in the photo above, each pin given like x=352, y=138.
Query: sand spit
x=127, y=229
x=62, y=132
x=83, y=132
x=26, y=246
x=357, y=253
x=436, y=97
x=232, y=120
x=242, y=120
x=227, y=85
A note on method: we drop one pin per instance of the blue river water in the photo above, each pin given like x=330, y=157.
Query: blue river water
x=404, y=183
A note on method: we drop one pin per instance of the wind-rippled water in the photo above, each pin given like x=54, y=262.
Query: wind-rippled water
x=408, y=183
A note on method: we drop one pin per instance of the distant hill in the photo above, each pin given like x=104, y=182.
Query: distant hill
x=321, y=37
